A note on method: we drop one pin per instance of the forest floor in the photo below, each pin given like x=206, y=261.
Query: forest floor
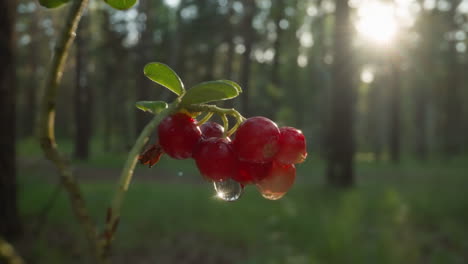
x=407, y=213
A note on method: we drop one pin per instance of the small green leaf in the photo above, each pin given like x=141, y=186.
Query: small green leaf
x=154, y=107
x=236, y=85
x=52, y=3
x=209, y=91
x=165, y=76
x=121, y=4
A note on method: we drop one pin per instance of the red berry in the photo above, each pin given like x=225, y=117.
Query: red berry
x=212, y=129
x=292, y=146
x=249, y=172
x=257, y=140
x=178, y=135
x=215, y=159
x=278, y=181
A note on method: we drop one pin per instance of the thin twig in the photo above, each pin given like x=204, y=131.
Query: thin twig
x=8, y=252
x=47, y=119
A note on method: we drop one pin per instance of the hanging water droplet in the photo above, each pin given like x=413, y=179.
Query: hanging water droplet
x=270, y=195
x=273, y=196
x=228, y=190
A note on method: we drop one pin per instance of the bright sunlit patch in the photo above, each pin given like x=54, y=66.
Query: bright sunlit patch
x=377, y=22
x=367, y=76
x=172, y=3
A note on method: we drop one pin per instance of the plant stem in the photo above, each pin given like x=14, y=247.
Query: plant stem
x=127, y=172
x=225, y=124
x=213, y=108
x=205, y=118
x=45, y=126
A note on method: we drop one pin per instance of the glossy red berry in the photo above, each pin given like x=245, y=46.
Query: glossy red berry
x=292, y=146
x=211, y=129
x=256, y=140
x=249, y=172
x=215, y=159
x=278, y=181
x=178, y=135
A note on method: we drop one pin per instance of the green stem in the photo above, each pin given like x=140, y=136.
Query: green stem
x=45, y=125
x=233, y=129
x=127, y=172
x=205, y=118
x=215, y=109
x=225, y=124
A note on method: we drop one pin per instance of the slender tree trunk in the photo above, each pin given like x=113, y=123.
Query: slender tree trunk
x=248, y=33
x=107, y=93
x=31, y=94
x=420, y=120
x=275, y=72
x=82, y=99
x=227, y=69
x=229, y=39
x=275, y=77
x=340, y=171
x=452, y=104
x=178, y=42
x=395, y=118
x=210, y=63
x=144, y=52
x=10, y=226
x=375, y=120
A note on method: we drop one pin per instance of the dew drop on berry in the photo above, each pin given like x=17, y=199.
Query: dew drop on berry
x=228, y=190
x=272, y=196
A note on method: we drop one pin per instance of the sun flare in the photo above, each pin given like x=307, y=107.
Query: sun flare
x=377, y=22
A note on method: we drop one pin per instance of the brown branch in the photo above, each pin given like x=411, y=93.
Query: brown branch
x=8, y=252
x=46, y=125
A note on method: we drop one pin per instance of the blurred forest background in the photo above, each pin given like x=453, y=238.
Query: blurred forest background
x=377, y=86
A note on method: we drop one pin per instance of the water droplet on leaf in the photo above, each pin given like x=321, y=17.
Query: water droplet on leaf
x=228, y=190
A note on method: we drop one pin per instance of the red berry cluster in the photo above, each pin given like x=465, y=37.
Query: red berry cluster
x=260, y=154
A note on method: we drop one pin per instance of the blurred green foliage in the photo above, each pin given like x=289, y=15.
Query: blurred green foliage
x=412, y=213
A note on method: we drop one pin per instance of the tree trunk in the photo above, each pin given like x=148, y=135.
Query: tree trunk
x=9, y=219
x=143, y=53
x=32, y=85
x=178, y=42
x=395, y=119
x=82, y=99
x=107, y=91
x=275, y=77
x=246, y=62
x=229, y=38
x=340, y=171
x=452, y=104
x=420, y=121
x=227, y=69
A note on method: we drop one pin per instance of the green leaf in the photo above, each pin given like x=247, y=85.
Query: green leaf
x=236, y=85
x=121, y=4
x=52, y=3
x=210, y=91
x=154, y=107
x=165, y=76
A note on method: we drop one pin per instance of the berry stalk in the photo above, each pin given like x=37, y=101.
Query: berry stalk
x=127, y=171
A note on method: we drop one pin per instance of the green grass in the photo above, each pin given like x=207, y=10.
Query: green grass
x=412, y=213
